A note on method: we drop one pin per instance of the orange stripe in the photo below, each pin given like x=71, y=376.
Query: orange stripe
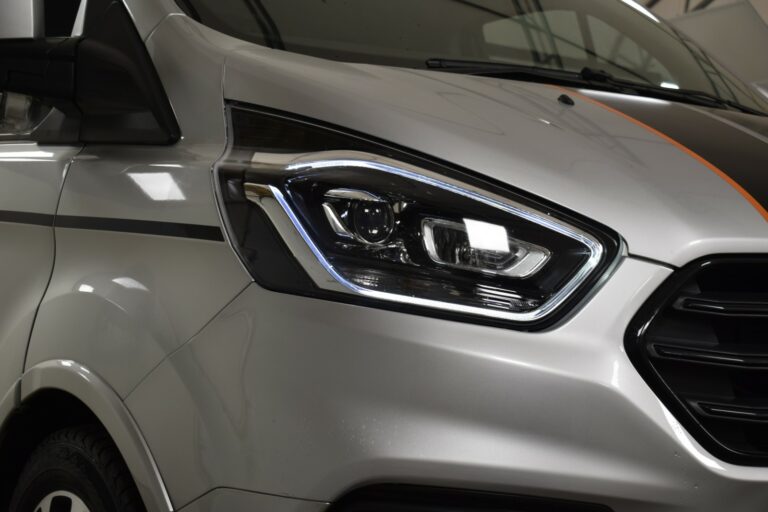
x=706, y=163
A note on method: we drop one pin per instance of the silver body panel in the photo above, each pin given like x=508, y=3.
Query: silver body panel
x=31, y=178
x=21, y=20
x=314, y=398
x=223, y=396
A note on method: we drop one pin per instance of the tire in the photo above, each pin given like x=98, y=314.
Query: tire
x=76, y=470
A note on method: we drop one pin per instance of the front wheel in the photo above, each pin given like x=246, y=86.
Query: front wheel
x=76, y=470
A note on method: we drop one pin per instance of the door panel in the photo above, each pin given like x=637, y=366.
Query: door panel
x=31, y=177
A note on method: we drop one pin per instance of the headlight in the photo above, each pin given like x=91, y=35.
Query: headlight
x=354, y=219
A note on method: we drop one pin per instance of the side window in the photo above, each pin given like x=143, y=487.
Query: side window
x=20, y=115
x=60, y=17
x=551, y=37
x=618, y=54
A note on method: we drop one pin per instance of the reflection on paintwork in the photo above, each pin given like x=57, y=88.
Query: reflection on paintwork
x=627, y=97
x=82, y=371
x=85, y=288
x=642, y=10
x=685, y=440
x=158, y=186
x=130, y=283
x=26, y=156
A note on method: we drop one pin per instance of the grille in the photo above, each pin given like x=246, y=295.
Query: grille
x=701, y=342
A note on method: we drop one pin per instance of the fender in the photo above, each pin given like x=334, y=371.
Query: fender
x=9, y=402
x=103, y=401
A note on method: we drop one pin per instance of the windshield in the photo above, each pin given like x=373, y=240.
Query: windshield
x=618, y=36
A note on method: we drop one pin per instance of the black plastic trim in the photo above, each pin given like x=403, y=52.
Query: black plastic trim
x=610, y=240
x=144, y=227
x=706, y=305
x=117, y=86
x=636, y=343
x=743, y=360
x=408, y=498
x=732, y=412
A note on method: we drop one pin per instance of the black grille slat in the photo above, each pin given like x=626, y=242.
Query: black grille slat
x=740, y=359
x=732, y=412
x=723, y=305
x=701, y=342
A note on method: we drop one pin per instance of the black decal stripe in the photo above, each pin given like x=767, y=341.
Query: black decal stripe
x=738, y=157
x=145, y=227
x=37, y=219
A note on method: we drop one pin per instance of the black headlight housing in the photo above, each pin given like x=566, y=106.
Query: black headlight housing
x=318, y=211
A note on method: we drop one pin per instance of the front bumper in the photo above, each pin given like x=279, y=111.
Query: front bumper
x=234, y=500
x=305, y=398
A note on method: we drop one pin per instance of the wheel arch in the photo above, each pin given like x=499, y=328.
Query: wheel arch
x=65, y=385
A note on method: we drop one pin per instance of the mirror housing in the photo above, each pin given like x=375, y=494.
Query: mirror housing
x=22, y=19
x=103, y=85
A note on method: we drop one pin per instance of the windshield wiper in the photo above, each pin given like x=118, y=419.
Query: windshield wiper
x=587, y=77
x=702, y=98
x=503, y=70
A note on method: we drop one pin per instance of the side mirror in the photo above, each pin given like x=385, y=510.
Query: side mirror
x=21, y=19
x=101, y=82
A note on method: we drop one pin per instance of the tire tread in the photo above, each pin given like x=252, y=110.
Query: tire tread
x=80, y=447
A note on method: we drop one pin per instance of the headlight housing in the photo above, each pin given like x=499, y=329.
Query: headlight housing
x=315, y=211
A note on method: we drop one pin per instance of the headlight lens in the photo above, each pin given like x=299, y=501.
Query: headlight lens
x=389, y=230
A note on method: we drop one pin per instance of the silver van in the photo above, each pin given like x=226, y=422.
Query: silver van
x=378, y=256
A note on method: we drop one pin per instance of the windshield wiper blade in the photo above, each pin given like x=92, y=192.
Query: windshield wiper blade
x=712, y=98
x=482, y=68
x=701, y=98
x=587, y=77
x=514, y=72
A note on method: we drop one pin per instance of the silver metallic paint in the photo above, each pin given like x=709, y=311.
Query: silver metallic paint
x=119, y=303
x=147, y=15
x=21, y=19
x=307, y=398
x=174, y=285
x=31, y=178
x=105, y=181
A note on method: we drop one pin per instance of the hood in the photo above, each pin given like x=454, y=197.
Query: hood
x=698, y=190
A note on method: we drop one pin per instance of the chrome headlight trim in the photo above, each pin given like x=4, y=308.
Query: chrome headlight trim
x=361, y=160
